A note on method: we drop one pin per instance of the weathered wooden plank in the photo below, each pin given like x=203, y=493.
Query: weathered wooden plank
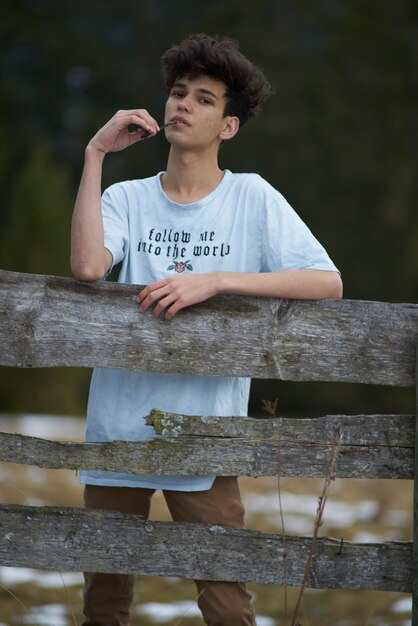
x=47, y=321
x=415, y=508
x=104, y=541
x=376, y=446
x=362, y=430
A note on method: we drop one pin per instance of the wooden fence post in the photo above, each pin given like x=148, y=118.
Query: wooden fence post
x=415, y=535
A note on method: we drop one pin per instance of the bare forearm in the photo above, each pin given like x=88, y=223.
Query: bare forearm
x=174, y=293
x=89, y=258
x=293, y=284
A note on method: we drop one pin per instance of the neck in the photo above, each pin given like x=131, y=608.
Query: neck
x=190, y=177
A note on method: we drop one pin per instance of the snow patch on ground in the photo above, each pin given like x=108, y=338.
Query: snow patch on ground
x=338, y=514
x=10, y=576
x=47, y=615
x=160, y=612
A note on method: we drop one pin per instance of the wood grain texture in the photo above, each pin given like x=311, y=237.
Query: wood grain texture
x=377, y=446
x=104, y=541
x=47, y=321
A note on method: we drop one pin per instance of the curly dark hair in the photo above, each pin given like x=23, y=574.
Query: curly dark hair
x=246, y=86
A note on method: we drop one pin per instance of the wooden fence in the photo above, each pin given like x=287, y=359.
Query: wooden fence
x=49, y=321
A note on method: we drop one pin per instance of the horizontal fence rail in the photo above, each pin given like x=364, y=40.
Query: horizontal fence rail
x=47, y=321
x=372, y=446
x=105, y=541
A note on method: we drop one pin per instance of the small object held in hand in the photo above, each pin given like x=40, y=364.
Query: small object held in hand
x=134, y=128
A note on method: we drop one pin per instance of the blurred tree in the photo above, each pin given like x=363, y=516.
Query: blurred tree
x=35, y=237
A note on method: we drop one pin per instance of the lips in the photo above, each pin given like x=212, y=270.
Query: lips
x=180, y=120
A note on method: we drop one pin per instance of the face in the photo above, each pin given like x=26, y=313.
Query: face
x=197, y=104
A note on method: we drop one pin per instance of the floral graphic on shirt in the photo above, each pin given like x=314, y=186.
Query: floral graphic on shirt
x=180, y=266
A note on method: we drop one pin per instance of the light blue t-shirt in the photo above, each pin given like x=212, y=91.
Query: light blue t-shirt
x=244, y=225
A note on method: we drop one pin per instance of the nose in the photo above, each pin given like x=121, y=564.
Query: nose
x=185, y=104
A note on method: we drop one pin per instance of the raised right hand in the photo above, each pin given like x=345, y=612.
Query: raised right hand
x=114, y=135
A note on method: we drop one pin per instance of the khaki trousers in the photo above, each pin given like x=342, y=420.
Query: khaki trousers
x=108, y=597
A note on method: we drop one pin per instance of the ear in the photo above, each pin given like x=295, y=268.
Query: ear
x=230, y=129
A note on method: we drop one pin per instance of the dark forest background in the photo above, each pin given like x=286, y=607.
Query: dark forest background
x=338, y=139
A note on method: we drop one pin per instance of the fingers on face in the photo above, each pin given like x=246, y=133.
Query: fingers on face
x=144, y=120
x=140, y=118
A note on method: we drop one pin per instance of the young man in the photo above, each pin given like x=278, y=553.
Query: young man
x=188, y=233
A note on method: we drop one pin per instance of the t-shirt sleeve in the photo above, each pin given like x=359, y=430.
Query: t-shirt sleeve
x=288, y=244
x=115, y=222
